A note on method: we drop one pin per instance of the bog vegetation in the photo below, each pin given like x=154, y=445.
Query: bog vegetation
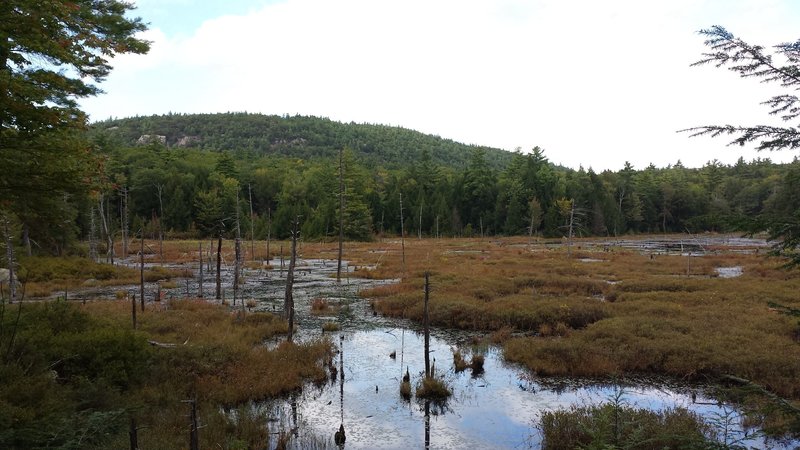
x=77, y=376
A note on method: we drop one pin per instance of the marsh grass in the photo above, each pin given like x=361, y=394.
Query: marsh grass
x=45, y=275
x=628, y=312
x=322, y=307
x=405, y=390
x=615, y=425
x=459, y=363
x=330, y=326
x=433, y=388
x=79, y=372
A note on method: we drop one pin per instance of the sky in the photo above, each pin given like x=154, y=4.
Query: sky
x=593, y=83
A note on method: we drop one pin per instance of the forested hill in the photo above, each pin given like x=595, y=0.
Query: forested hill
x=301, y=137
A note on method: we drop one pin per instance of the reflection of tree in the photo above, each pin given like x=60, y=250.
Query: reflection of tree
x=339, y=436
x=427, y=424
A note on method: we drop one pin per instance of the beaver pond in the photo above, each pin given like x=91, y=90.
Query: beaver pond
x=498, y=407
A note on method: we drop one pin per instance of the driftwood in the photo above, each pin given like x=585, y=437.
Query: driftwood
x=165, y=344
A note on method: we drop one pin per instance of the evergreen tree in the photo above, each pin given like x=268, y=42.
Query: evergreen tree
x=50, y=53
x=752, y=61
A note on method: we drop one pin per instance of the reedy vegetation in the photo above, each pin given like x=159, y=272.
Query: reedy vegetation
x=75, y=374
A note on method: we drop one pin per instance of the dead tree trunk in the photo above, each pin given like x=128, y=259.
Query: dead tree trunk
x=105, y=221
x=200, y=256
x=269, y=231
x=571, y=225
x=219, y=267
x=12, y=282
x=141, y=270
x=133, y=310
x=341, y=217
x=426, y=326
x=419, y=229
x=252, y=225
x=124, y=221
x=237, y=268
x=92, y=235
x=26, y=239
x=402, y=233
x=194, y=435
x=159, y=190
x=288, y=300
x=133, y=434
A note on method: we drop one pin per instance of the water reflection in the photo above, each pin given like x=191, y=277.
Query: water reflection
x=499, y=408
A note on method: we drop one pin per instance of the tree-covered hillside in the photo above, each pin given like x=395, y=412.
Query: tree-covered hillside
x=302, y=137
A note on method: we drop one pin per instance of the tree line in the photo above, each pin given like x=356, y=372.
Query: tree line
x=186, y=192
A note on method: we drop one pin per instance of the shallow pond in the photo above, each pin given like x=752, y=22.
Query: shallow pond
x=498, y=408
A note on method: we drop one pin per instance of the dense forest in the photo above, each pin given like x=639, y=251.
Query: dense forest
x=224, y=185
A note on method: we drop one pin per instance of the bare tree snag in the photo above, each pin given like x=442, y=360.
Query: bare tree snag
x=159, y=191
x=252, y=226
x=341, y=217
x=92, y=235
x=236, y=269
x=426, y=326
x=124, y=221
x=133, y=434
x=269, y=231
x=141, y=269
x=288, y=300
x=200, y=256
x=219, y=267
x=133, y=310
x=12, y=282
x=105, y=221
x=402, y=233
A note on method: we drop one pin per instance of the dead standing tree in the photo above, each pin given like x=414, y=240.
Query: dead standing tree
x=341, y=216
x=237, y=269
x=426, y=325
x=12, y=284
x=106, y=221
x=402, y=233
x=288, y=300
x=219, y=266
x=252, y=225
x=159, y=192
x=123, y=217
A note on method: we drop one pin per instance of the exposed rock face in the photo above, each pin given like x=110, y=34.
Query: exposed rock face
x=187, y=141
x=150, y=138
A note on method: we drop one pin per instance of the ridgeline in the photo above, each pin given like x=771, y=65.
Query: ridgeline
x=304, y=137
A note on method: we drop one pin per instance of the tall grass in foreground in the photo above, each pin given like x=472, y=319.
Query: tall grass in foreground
x=74, y=375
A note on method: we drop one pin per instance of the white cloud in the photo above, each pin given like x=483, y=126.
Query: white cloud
x=594, y=83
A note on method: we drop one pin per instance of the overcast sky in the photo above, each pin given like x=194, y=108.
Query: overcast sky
x=594, y=83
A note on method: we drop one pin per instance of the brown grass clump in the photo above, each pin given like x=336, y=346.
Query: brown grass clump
x=330, y=326
x=477, y=363
x=405, y=390
x=459, y=363
x=322, y=307
x=432, y=388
